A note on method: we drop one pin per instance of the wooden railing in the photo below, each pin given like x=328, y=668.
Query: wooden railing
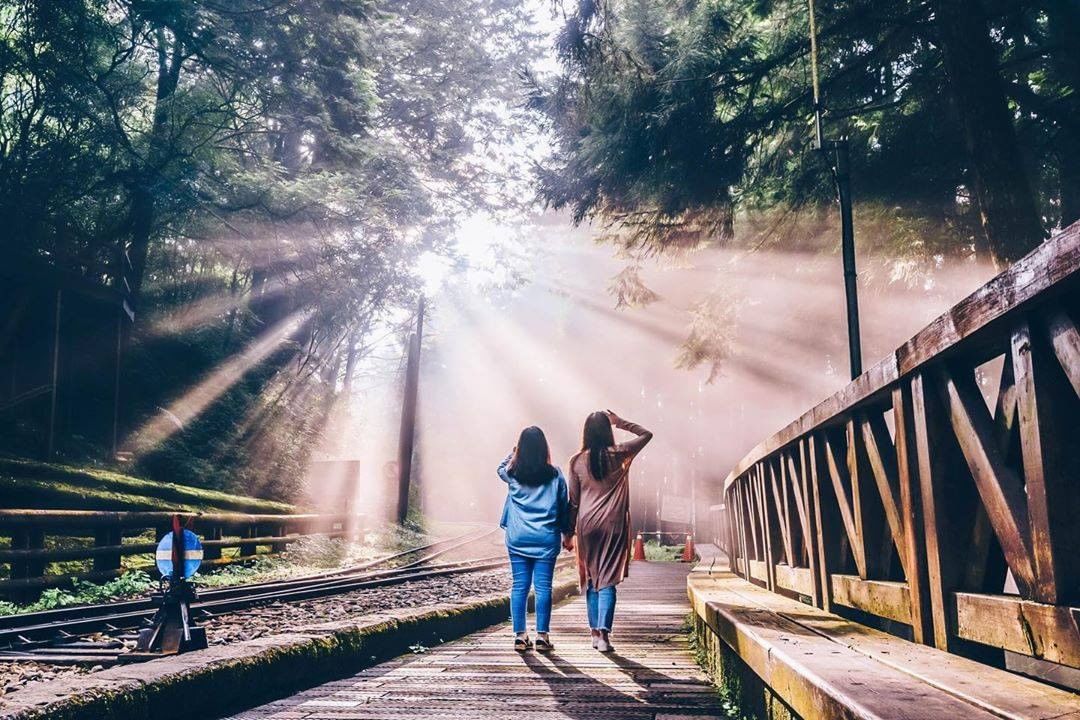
x=937, y=496
x=40, y=538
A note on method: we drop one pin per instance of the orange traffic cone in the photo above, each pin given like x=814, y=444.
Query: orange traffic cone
x=688, y=549
x=639, y=548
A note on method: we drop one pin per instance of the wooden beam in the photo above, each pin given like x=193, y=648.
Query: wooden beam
x=907, y=473
x=883, y=598
x=825, y=519
x=840, y=493
x=772, y=542
x=1047, y=632
x=791, y=512
x=794, y=579
x=866, y=508
x=882, y=458
x=1065, y=339
x=932, y=459
x=746, y=492
x=811, y=534
x=1046, y=440
x=797, y=489
x=782, y=515
x=1001, y=490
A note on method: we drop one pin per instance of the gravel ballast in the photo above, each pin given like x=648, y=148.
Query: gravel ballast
x=278, y=618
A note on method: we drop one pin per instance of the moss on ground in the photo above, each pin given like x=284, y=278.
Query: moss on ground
x=31, y=484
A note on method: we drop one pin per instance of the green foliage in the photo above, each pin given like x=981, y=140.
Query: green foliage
x=668, y=117
x=260, y=164
x=256, y=569
x=656, y=552
x=319, y=551
x=134, y=583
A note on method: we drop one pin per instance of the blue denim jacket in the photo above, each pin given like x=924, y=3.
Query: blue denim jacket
x=534, y=516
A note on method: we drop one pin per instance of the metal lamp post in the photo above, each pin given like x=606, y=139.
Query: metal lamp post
x=836, y=154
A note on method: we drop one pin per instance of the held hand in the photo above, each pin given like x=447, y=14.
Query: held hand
x=568, y=542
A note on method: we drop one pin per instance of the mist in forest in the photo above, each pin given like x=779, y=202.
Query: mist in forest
x=525, y=330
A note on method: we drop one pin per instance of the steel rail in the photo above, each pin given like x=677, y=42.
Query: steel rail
x=61, y=615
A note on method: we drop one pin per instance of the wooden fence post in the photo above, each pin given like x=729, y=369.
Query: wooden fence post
x=212, y=552
x=107, y=537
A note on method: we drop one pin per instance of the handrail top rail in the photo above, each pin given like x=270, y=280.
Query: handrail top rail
x=1048, y=266
x=135, y=518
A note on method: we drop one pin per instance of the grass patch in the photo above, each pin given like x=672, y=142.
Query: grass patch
x=31, y=484
x=135, y=583
x=655, y=552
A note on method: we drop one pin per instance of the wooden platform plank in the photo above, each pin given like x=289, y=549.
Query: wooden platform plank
x=650, y=675
x=826, y=666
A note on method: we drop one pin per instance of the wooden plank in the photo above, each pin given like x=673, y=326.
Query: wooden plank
x=797, y=486
x=754, y=491
x=740, y=522
x=1065, y=339
x=929, y=436
x=1049, y=480
x=883, y=598
x=772, y=541
x=759, y=570
x=812, y=658
x=794, y=579
x=811, y=530
x=782, y=515
x=791, y=512
x=882, y=458
x=907, y=473
x=825, y=516
x=865, y=507
x=652, y=674
x=749, y=518
x=840, y=494
x=1047, y=632
x=70, y=519
x=1001, y=490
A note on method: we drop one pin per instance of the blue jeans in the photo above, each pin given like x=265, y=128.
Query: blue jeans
x=601, y=605
x=538, y=573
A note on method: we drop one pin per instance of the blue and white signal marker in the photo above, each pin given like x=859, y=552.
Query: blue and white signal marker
x=193, y=554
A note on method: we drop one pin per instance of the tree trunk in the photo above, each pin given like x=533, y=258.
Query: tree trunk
x=1010, y=218
x=350, y=361
x=142, y=215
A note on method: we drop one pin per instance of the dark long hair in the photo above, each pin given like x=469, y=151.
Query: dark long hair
x=531, y=464
x=598, y=439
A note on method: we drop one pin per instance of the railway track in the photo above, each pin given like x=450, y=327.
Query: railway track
x=95, y=634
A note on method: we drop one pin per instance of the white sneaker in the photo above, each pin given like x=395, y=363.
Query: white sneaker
x=595, y=638
x=603, y=644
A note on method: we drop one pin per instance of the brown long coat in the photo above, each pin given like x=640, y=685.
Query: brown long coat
x=600, y=511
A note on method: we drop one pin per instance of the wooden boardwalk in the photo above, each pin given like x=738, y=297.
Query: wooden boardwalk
x=650, y=676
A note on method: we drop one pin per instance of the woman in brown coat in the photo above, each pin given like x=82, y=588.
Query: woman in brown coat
x=599, y=491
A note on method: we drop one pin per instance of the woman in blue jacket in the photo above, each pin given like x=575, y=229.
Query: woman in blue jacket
x=534, y=517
